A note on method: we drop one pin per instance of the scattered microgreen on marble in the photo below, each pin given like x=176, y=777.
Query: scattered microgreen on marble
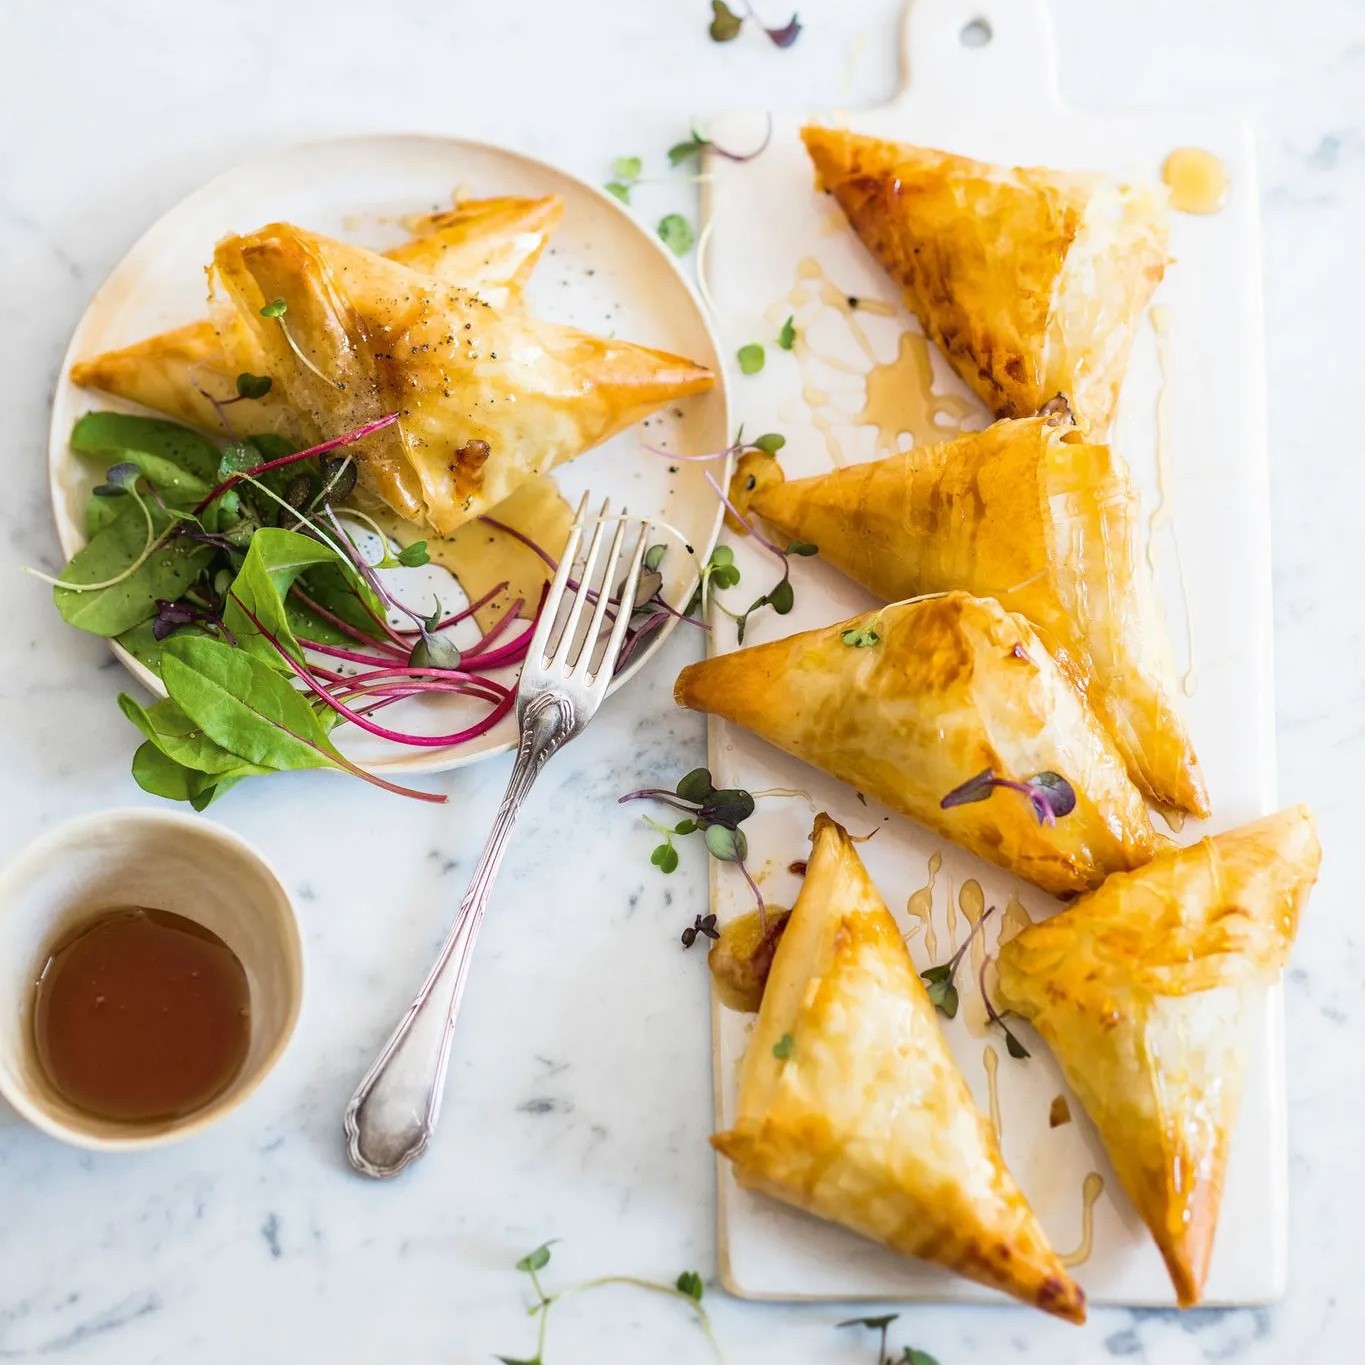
x=715, y=813
x=688, y=1289
x=1050, y=794
x=676, y=233
x=751, y=358
x=726, y=25
x=881, y=1325
x=702, y=925
x=938, y=981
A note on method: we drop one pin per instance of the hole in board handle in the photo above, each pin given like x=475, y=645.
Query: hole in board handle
x=977, y=33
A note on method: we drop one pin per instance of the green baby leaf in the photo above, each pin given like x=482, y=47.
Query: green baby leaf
x=242, y=704
x=676, y=233
x=118, y=436
x=273, y=561
x=165, y=574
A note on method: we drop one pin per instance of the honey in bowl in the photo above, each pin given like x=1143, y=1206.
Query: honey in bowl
x=141, y=1016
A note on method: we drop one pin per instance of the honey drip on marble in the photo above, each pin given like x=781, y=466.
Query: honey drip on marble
x=897, y=395
x=990, y=1059
x=1197, y=180
x=1090, y=1193
x=1164, y=511
x=920, y=906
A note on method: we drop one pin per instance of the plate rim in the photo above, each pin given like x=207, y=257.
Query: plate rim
x=71, y=538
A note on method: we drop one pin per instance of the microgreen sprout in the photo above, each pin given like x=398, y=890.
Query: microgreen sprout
x=717, y=813
x=751, y=358
x=625, y=171
x=782, y=1049
x=692, y=147
x=676, y=233
x=252, y=386
x=705, y=925
x=909, y=1355
x=688, y=1288
x=277, y=309
x=726, y=25
x=1050, y=794
x=861, y=637
x=938, y=981
x=786, y=338
x=1013, y=1046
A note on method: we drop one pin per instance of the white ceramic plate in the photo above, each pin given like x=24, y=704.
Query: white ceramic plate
x=603, y=271
x=999, y=101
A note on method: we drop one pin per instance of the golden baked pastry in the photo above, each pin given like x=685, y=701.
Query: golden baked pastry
x=1138, y=990
x=1032, y=281
x=1046, y=526
x=488, y=246
x=942, y=690
x=851, y=1107
x=487, y=398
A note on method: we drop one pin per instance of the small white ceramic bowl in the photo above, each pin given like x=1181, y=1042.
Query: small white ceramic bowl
x=166, y=861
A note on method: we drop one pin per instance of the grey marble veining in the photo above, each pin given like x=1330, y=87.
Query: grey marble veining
x=579, y=1099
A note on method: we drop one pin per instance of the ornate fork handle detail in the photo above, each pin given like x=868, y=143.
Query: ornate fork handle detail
x=393, y=1113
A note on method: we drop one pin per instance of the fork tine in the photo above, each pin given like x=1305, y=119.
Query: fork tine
x=593, y=637
x=607, y=668
x=540, y=641
x=563, y=655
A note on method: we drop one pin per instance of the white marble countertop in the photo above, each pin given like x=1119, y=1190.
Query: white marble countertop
x=580, y=1097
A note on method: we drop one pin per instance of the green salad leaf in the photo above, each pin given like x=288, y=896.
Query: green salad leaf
x=165, y=574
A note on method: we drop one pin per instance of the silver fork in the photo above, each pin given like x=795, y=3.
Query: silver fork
x=393, y=1113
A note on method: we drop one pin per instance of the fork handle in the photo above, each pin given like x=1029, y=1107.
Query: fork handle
x=393, y=1113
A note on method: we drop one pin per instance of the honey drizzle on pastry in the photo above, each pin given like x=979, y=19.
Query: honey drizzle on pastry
x=1164, y=511
x=990, y=1059
x=1091, y=1189
x=920, y=906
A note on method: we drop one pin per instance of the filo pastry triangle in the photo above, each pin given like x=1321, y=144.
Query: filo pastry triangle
x=940, y=691
x=1032, y=281
x=487, y=246
x=487, y=398
x=1139, y=989
x=1047, y=526
x=850, y=1105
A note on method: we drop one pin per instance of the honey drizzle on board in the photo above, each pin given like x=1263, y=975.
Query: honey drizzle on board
x=901, y=399
x=1198, y=180
x=990, y=1059
x=972, y=902
x=1014, y=921
x=898, y=394
x=1091, y=1189
x=1164, y=511
x=920, y=906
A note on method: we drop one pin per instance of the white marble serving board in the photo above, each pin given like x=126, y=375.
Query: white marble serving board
x=999, y=102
